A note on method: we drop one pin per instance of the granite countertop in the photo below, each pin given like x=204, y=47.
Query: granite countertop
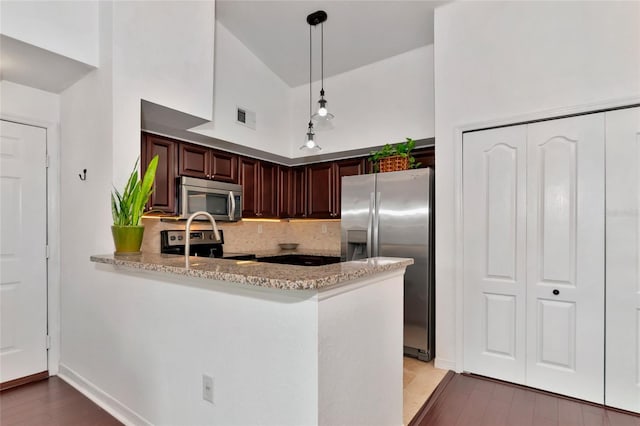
x=287, y=277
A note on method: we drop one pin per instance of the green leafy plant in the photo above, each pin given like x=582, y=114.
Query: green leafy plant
x=127, y=207
x=403, y=149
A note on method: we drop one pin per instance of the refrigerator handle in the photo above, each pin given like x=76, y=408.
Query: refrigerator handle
x=370, y=224
x=376, y=225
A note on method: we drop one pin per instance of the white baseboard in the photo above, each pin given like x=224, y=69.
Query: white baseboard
x=445, y=364
x=105, y=401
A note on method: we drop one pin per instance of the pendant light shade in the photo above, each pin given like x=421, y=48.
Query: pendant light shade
x=309, y=142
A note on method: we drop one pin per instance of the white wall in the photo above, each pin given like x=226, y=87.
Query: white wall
x=20, y=101
x=383, y=102
x=162, y=52
x=500, y=60
x=69, y=28
x=242, y=80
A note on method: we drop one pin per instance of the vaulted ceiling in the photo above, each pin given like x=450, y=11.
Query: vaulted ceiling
x=356, y=33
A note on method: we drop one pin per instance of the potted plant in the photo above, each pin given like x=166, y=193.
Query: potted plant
x=127, y=209
x=391, y=158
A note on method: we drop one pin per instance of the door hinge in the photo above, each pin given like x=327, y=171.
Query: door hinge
x=46, y=251
x=46, y=161
x=48, y=342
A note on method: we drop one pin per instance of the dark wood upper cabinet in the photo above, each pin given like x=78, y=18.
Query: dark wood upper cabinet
x=163, y=198
x=194, y=161
x=259, y=180
x=425, y=156
x=349, y=167
x=320, y=190
x=291, y=192
x=298, y=192
x=206, y=163
x=249, y=180
x=223, y=166
x=268, y=192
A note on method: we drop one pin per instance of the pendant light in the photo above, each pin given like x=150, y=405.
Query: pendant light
x=313, y=19
x=322, y=113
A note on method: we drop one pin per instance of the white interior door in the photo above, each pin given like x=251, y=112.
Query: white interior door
x=565, y=251
x=23, y=272
x=494, y=181
x=623, y=259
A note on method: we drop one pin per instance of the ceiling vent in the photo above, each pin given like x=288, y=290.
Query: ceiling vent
x=246, y=117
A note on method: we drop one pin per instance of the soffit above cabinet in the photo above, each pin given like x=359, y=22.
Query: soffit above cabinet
x=169, y=122
x=33, y=66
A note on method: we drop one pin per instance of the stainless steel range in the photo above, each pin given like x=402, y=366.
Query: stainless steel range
x=203, y=244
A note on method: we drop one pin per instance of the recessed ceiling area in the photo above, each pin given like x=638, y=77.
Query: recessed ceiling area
x=356, y=33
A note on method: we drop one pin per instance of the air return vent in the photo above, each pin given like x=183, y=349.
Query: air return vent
x=246, y=117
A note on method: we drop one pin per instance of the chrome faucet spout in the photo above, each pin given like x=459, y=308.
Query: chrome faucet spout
x=187, y=237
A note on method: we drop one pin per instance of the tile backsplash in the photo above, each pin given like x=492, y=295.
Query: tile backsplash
x=255, y=236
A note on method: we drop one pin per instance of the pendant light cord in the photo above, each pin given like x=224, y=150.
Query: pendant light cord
x=310, y=107
x=322, y=58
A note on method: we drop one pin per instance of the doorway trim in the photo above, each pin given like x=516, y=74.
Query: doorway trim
x=53, y=233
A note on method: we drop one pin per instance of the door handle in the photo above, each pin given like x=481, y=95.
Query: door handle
x=370, y=225
x=556, y=292
x=232, y=201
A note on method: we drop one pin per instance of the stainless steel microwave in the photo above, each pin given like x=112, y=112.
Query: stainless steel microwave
x=222, y=200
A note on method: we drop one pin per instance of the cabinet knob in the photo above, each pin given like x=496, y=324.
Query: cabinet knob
x=556, y=292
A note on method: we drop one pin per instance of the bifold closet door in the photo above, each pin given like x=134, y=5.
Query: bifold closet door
x=494, y=178
x=565, y=256
x=623, y=259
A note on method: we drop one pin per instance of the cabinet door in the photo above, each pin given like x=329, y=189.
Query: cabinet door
x=565, y=256
x=494, y=229
x=425, y=156
x=320, y=188
x=249, y=181
x=194, y=161
x=298, y=192
x=350, y=167
x=164, y=193
x=268, y=190
x=224, y=166
x=285, y=187
x=622, y=389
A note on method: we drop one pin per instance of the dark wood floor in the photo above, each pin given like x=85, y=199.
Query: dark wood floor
x=468, y=400
x=50, y=402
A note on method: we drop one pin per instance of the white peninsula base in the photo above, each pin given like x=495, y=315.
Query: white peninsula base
x=328, y=356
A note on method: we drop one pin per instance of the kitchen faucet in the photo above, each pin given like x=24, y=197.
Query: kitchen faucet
x=187, y=231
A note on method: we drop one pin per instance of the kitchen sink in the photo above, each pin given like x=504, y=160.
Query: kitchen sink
x=300, y=259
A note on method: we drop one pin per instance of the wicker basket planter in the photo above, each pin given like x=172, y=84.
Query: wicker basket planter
x=393, y=164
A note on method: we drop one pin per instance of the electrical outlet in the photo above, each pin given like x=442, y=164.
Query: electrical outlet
x=259, y=228
x=324, y=228
x=207, y=388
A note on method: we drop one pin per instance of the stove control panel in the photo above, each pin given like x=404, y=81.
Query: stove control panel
x=177, y=238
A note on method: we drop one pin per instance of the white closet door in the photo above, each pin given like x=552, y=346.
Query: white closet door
x=494, y=180
x=623, y=259
x=23, y=273
x=565, y=251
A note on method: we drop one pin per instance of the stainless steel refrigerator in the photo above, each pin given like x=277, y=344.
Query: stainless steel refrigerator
x=391, y=214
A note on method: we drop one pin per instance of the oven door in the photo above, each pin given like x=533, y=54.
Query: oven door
x=223, y=205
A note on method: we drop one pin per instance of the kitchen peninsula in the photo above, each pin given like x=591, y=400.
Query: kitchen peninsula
x=284, y=344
